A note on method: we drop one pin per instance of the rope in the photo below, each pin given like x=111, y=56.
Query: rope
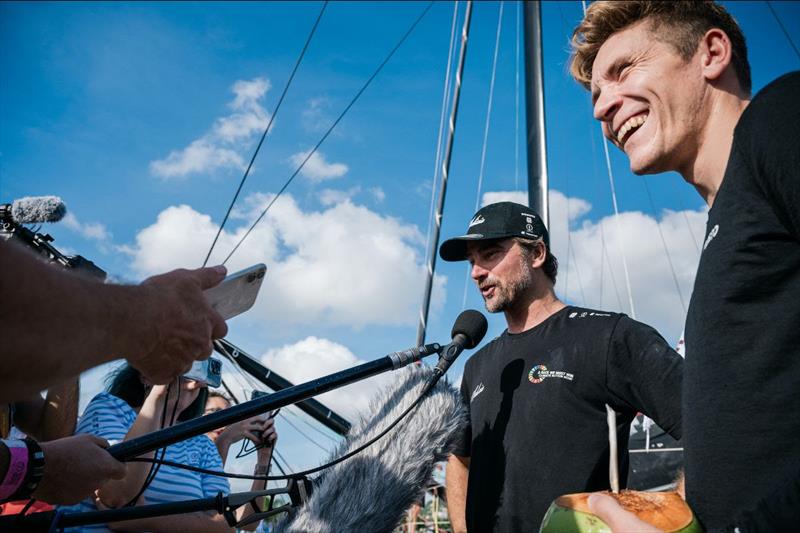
x=486, y=130
x=266, y=130
x=619, y=229
x=330, y=129
x=664, y=246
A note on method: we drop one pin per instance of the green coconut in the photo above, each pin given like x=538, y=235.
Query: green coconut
x=664, y=510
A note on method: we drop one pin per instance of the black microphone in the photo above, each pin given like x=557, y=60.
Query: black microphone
x=468, y=331
x=33, y=210
x=371, y=490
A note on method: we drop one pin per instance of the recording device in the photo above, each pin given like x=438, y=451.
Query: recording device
x=260, y=394
x=372, y=490
x=208, y=372
x=237, y=292
x=38, y=210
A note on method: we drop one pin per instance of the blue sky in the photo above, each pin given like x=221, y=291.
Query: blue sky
x=140, y=115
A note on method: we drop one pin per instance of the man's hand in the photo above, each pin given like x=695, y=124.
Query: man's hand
x=617, y=518
x=183, y=323
x=74, y=467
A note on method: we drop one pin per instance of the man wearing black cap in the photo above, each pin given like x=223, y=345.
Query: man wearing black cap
x=537, y=393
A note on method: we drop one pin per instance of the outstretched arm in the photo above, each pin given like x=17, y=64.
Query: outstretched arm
x=60, y=323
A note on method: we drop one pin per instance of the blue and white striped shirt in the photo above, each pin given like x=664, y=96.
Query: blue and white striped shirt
x=111, y=418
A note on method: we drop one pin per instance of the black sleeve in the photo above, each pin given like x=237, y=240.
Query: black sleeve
x=644, y=374
x=777, y=512
x=463, y=441
x=769, y=143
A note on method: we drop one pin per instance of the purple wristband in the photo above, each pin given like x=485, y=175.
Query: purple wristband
x=17, y=468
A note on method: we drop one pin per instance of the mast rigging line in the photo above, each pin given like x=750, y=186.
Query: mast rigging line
x=330, y=129
x=486, y=132
x=786, y=33
x=442, y=114
x=434, y=243
x=266, y=130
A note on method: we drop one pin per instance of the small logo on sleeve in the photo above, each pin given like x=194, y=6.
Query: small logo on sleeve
x=711, y=235
x=540, y=372
x=478, y=390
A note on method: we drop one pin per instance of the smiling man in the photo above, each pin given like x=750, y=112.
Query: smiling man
x=670, y=83
x=536, y=395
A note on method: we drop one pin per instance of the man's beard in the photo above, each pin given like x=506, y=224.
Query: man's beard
x=508, y=293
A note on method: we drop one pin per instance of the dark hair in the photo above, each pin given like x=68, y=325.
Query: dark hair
x=126, y=383
x=679, y=23
x=219, y=394
x=550, y=266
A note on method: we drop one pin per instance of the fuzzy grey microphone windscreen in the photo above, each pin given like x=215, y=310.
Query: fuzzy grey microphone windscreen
x=370, y=491
x=38, y=209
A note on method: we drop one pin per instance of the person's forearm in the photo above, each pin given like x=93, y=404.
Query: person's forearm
x=58, y=321
x=456, y=478
x=60, y=410
x=116, y=493
x=185, y=523
x=243, y=512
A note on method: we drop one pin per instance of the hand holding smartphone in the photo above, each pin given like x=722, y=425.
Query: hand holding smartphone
x=237, y=292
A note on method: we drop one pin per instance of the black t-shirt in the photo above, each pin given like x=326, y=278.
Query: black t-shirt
x=742, y=383
x=537, y=426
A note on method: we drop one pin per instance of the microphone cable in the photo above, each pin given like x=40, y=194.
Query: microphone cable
x=156, y=466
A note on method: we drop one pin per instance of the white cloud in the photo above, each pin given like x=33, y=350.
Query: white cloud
x=315, y=117
x=378, y=194
x=219, y=147
x=344, y=265
x=334, y=196
x=592, y=277
x=314, y=357
x=89, y=230
x=317, y=168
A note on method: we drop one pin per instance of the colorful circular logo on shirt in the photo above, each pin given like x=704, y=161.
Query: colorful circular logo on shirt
x=535, y=375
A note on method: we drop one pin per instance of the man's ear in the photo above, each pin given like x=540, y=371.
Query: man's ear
x=716, y=54
x=539, y=255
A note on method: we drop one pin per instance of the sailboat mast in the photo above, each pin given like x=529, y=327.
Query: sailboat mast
x=437, y=222
x=534, y=111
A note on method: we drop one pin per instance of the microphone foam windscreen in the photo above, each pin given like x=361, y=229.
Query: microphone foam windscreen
x=37, y=209
x=472, y=324
x=372, y=490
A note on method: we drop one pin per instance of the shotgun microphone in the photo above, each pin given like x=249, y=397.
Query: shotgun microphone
x=372, y=490
x=33, y=210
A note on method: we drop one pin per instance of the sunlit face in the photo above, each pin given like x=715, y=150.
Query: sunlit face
x=214, y=404
x=500, y=271
x=649, y=100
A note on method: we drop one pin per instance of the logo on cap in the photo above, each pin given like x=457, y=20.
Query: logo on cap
x=477, y=220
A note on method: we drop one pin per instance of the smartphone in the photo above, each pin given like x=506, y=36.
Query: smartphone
x=208, y=372
x=237, y=292
x=258, y=394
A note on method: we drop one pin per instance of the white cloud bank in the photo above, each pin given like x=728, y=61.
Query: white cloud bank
x=312, y=358
x=217, y=149
x=343, y=265
x=590, y=255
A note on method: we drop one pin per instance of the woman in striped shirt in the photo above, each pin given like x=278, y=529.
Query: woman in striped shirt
x=130, y=408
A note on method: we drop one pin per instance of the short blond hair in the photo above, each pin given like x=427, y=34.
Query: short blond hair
x=680, y=23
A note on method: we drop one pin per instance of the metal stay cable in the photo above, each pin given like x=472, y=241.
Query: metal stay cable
x=786, y=33
x=442, y=115
x=487, y=121
x=330, y=129
x=266, y=130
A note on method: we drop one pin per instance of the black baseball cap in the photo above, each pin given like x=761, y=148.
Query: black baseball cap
x=496, y=221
